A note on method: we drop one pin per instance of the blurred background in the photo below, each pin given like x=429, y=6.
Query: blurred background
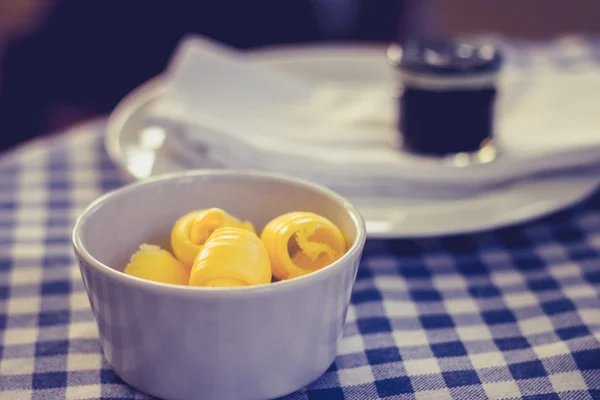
x=64, y=61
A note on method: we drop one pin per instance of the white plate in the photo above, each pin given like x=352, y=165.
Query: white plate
x=139, y=151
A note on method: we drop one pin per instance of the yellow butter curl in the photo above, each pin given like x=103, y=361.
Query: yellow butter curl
x=193, y=229
x=155, y=264
x=231, y=257
x=316, y=243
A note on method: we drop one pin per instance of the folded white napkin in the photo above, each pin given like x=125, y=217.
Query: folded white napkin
x=256, y=116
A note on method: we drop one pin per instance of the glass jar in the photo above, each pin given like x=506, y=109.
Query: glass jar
x=446, y=95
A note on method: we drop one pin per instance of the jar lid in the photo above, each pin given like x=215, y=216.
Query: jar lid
x=445, y=57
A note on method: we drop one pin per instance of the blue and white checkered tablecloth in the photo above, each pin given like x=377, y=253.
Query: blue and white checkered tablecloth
x=509, y=314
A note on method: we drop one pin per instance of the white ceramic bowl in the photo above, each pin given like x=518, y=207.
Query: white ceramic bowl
x=176, y=342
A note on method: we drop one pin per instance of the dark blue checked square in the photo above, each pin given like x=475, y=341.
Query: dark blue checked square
x=51, y=348
x=110, y=183
x=365, y=296
x=470, y=265
x=56, y=287
x=3, y=319
x=459, y=244
x=373, y=325
x=383, y=356
x=364, y=273
x=527, y=370
x=56, y=261
x=572, y=332
x=424, y=295
x=527, y=262
x=593, y=277
x=4, y=292
x=326, y=394
x=5, y=264
x=404, y=247
x=541, y=285
x=57, y=240
x=394, y=386
x=8, y=205
x=108, y=376
x=59, y=185
x=53, y=318
x=49, y=380
x=439, y=321
x=567, y=234
x=558, y=306
x=332, y=368
x=414, y=271
x=448, y=349
x=484, y=291
x=461, y=378
x=495, y=317
x=548, y=396
x=595, y=394
x=587, y=359
x=512, y=238
x=59, y=204
x=55, y=221
x=594, y=200
x=582, y=253
x=513, y=343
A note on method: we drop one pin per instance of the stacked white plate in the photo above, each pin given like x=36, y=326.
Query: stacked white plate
x=326, y=114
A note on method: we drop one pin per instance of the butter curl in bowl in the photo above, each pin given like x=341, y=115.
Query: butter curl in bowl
x=302, y=242
x=193, y=229
x=231, y=257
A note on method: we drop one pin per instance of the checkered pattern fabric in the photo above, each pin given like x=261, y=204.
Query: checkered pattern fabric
x=508, y=314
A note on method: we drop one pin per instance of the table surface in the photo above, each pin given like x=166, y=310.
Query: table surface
x=508, y=314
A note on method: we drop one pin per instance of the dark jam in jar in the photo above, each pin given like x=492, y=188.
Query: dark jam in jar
x=447, y=95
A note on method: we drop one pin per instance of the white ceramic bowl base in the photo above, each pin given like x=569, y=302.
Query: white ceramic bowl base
x=178, y=342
